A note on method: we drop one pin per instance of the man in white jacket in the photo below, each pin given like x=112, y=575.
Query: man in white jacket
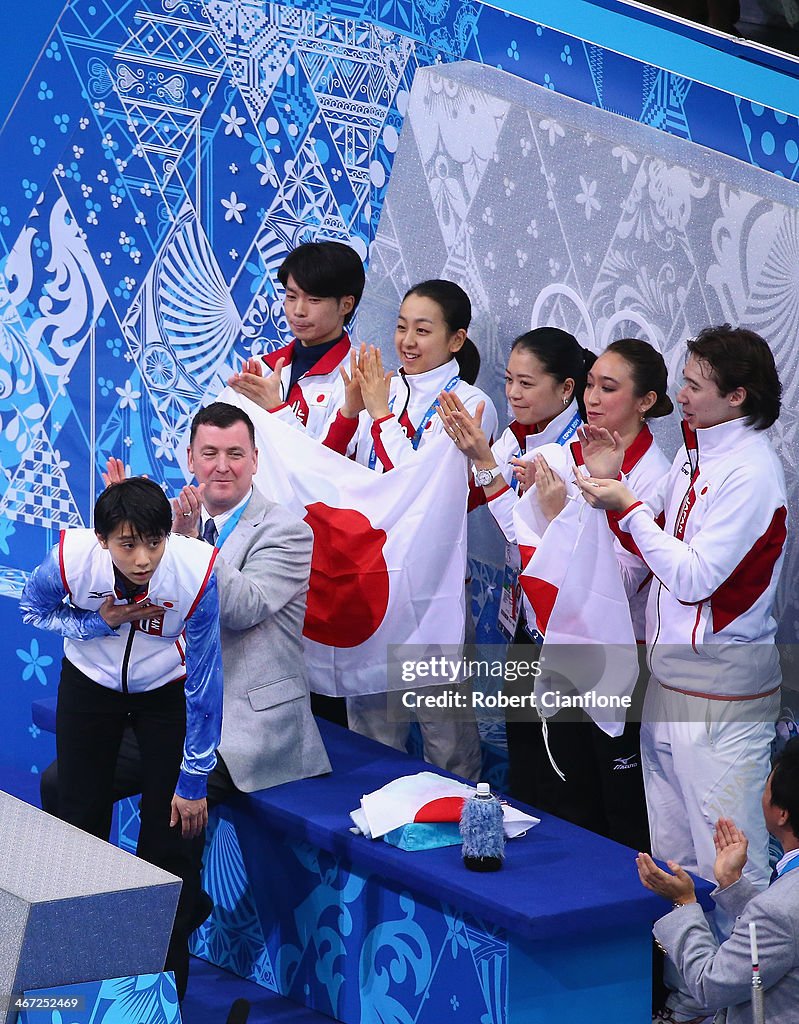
x=713, y=697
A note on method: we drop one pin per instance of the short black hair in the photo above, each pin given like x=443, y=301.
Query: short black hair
x=222, y=415
x=785, y=783
x=739, y=358
x=327, y=270
x=137, y=501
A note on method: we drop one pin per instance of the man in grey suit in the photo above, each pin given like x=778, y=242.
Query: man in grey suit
x=269, y=735
x=720, y=975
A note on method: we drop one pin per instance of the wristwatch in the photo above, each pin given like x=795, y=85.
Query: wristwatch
x=483, y=477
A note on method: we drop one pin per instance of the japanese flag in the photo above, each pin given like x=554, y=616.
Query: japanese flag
x=425, y=797
x=575, y=596
x=389, y=556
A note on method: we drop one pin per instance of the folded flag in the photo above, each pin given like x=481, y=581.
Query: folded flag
x=421, y=798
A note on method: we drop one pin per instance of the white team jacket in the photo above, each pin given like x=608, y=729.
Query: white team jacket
x=317, y=396
x=390, y=438
x=152, y=651
x=645, y=469
x=716, y=564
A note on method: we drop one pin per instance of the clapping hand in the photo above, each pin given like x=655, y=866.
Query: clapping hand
x=251, y=383
x=353, y=399
x=465, y=430
x=612, y=495
x=677, y=886
x=374, y=382
x=186, y=511
x=603, y=452
x=114, y=472
x=731, y=851
x=550, y=489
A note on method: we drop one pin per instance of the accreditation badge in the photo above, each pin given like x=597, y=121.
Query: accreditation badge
x=510, y=602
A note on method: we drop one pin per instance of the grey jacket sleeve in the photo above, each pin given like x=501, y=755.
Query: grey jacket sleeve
x=721, y=975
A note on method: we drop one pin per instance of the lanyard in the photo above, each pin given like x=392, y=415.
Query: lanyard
x=230, y=525
x=789, y=867
x=417, y=437
x=566, y=435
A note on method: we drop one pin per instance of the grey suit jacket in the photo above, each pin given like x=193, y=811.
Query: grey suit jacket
x=269, y=735
x=719, y=976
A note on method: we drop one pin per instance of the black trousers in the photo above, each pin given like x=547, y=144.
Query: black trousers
x=604, y=788
x=91, y=721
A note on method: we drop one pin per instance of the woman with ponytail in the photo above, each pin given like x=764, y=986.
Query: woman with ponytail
x=619, y=391
x=603, y=785
x=386, y=417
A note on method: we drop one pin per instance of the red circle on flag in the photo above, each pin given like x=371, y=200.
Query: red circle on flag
x=348, y=593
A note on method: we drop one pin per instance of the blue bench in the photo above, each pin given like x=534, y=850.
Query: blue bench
x=359, y=930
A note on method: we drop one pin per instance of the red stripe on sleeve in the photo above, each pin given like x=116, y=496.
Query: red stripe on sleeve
x=377, y=441
x=502, y=491
x=204, y=583
x=340, y=432
x=751, y=577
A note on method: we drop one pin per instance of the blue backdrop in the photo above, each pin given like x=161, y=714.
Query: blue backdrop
x=163, y=157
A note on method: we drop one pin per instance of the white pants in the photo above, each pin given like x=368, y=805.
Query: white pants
x=703, y=760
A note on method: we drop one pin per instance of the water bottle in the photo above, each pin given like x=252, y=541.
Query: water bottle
x=482, y=831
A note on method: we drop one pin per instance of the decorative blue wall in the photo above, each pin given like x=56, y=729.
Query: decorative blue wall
x=162, y=159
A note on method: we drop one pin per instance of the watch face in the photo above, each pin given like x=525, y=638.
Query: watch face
x=484, y=477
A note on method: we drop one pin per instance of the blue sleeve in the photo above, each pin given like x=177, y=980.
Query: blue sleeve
x=42, y=605
x=203, y=695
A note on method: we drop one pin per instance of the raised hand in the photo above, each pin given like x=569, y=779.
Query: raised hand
x=523, y=473
x=465, y=430
x=186, y=510
x=250, y=382
x=114, y=472
x=603, y=452
x=374, y=382
x=353, y=399
x=731, y=851
x=612, y=495
x=550, y=489
x=677, y=886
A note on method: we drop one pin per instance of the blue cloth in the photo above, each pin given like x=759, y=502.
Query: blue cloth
x=558, y=879
x=42, y=605
x=203, y=688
